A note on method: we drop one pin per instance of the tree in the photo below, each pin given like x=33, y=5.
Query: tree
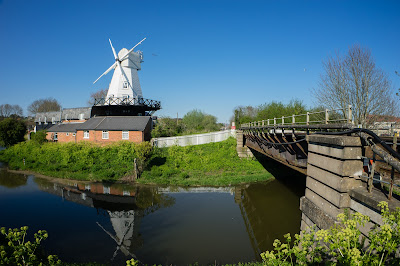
x=196, y=121
x=7, y=110
x=166, y=127
x=44, y=105
x=397, y=93
x=12, y=131
x=355, y=80
x=102, y=93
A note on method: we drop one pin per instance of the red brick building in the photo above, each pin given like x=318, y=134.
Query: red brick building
x=104, y=129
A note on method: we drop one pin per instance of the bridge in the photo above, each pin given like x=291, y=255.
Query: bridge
x=346, y=167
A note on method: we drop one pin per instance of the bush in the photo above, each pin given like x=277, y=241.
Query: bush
x=342, y=244
x=39, y=137
x=12, y=131
x=17, y=251
x=82, y=160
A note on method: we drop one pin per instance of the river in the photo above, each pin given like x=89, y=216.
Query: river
x=111, y=223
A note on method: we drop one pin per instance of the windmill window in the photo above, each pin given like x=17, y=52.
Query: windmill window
x=125, y=85
x=125, y=134
x=85, y=134
x=104, y=135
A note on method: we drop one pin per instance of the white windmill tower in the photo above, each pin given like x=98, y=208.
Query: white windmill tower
x=125, y=80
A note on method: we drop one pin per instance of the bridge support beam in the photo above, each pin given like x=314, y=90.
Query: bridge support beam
x=242, y=150
x=333, y=168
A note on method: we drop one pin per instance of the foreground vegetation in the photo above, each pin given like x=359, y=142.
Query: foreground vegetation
x=342, y=244
x=215, y=164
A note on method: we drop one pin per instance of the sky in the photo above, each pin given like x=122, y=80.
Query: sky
x=207, y=55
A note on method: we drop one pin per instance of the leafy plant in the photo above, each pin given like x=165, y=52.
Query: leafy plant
x=39, y=137
x=12, y=131
x=342, y=244
x=18, y=251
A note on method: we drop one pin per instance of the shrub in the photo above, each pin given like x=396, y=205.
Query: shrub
x=18, y=251
x=39, y=136
x=342, y=244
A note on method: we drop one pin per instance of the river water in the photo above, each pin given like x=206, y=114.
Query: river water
x=111, y=223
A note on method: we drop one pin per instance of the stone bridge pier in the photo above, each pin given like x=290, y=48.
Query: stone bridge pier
x=334, y=166
x=336, y=180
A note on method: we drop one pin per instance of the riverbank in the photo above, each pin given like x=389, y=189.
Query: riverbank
x=213, y=164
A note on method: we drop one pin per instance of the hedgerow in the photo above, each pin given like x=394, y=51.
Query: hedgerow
x=81, y=160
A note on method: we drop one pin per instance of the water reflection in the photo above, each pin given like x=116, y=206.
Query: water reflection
x=124, y=204
x=12, y=180
x=107, y=222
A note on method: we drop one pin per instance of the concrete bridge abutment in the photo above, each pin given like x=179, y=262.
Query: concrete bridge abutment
x=241, y=148
x=334, y=167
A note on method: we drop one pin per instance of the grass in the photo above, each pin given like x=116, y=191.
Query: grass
x=213, y=164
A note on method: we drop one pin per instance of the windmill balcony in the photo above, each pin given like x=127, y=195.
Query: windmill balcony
x=127, y=101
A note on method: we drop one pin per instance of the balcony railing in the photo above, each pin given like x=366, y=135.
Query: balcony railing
x=127, y=101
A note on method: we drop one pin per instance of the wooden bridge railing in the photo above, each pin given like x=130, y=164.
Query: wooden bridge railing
x=321, y=117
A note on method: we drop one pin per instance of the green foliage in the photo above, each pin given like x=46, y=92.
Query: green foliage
x=12, y=131
x=132, y=262
x=167, y=127
x=193, y=122
x=269, y=111
x=207, y=164
x=85, y=161
x=196, y=121
x=39, y=136
x=342, y=244
x=18, y=251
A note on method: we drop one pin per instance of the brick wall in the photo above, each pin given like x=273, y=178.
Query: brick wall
x=61, y=136
x=96, y=136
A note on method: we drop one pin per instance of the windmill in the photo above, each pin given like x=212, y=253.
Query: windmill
x=125, y=80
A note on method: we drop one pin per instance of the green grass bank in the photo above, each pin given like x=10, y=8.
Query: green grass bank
x=214, y=164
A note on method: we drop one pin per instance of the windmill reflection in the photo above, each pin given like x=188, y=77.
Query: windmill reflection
x=124, y=204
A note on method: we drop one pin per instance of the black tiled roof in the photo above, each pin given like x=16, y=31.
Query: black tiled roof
x=131, y=123
x=67, y=127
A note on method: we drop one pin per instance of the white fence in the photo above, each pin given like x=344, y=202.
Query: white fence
x=194, y=139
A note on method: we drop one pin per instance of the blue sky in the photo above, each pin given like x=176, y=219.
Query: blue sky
x=207, y=55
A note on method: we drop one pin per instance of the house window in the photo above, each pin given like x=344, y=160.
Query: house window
x=125, y=134
x=55, y=136
x=87, y=187
x=67, y=134
x=45, y=120
x=104, y=135
x=106, y=190
x=80, y=116
x=53, y=120
x=73, y=134
x=85, y=134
